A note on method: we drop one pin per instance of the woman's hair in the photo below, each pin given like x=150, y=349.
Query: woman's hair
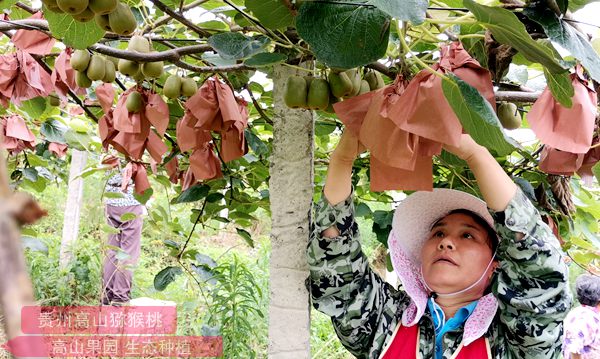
x=491, y=232
x=587, y=287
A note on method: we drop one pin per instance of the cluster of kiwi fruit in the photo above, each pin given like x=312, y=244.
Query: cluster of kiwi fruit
x=509, y=115
x=140, y=71
x=319, y=94
x=110, y=15
x=176, y=86
x=92, y=68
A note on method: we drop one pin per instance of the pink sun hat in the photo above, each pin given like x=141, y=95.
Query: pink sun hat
x=413, y=219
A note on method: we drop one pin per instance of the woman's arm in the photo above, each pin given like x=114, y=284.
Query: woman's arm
x=496, y=187
x=363, y=308
x=531, y=281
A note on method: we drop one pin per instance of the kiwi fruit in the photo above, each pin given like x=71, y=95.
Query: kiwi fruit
x=188, y=87
x=134, y=102
x=103, y=23
x=354, y=76
x=172, y=87
x=318, y=95
x=80, y=60
x=295, y=92
x=84, y=16
x=138, y=43
x=82, y=80
x=128, y=67
x=121, y=20
x=153, y=69
x=364, y=87
x=375, y=80
x=52, y=5
x=110, y=73
x=72, y=7
x=139, y=77
x=96, y=68
x=103, y=7
x=53, y=100
x=339, y=84
x=509, y=116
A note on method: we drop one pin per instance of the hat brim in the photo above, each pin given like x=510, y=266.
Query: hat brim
x=414, y=217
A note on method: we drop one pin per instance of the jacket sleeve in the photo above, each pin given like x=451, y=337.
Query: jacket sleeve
x=532, y=281
x=361, y=305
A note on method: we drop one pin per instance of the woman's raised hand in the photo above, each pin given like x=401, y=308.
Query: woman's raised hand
x=338, y=185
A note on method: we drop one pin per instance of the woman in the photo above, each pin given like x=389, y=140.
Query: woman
x=582, y=325
x=467, y=292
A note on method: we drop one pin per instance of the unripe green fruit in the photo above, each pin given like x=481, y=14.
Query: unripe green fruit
x=53, y=100
x=188, y=87
x=82, y=80
x=103, y=7
x=295, y=92
x=134, y=102
x=84, y=16
x=103, y=23
x=121, y=20
x=354, y=76
x=97, y=68
x=375, y=80
x=509, y=116
x=139, y=44
x=364, y=87
x=153, y=69
x=129, y=68
x=72, y=7
x=80, y=60
x=318, y=95
x=339, y=84
x=110, y=73
x=172, y=87
x=52, y=6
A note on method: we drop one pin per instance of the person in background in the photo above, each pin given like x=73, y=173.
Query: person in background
x=117, y=275
x=582, y=325
x=480, y=279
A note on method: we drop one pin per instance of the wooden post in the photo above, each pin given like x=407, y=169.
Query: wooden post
x=291, y=190
x=73, y=206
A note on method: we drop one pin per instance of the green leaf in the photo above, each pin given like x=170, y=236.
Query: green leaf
x=477, y=116
x=562, y=5
x=575, y=5
x=246, y=236
x=34, y=107
x=72, y=33
x=34, y=244
x=363, y=210
x=596, y=171
x=144, y=197
x=507, y=29
x=266, y=59
x=406, y=10
x=255, y=143
x=236, y=46
x=214, y=197
x=113, y=195
x=382, y=225
x=561, y=87
x=273, y=14
x=204, y=260
x=126, y=217
x=344, y=36
x=566, y=36
x=54, y=130
x=31, y=174
x=193, y=194
x=166, y=277
x=7, y=4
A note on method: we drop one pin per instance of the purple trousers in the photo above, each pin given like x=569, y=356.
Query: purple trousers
x=116, y=273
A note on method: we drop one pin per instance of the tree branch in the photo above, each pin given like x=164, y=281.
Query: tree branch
x=383, y=69
x=164, y=8
x=517, y=96
x=204, y=69
x=169, y=55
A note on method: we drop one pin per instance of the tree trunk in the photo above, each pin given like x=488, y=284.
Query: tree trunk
x=73, y=207
x=291, y=190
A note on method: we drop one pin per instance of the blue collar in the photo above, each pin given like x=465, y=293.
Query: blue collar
x=442, y=326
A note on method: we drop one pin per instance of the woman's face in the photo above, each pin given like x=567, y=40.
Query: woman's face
x=456, y=254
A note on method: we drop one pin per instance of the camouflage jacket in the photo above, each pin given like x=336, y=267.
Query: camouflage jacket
x=530, y=285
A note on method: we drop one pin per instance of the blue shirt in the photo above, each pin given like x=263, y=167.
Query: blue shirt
x=442, y=326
